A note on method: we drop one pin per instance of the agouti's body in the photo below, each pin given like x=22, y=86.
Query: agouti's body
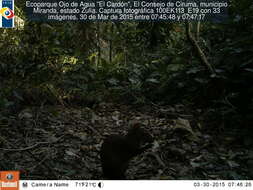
x=117, y=150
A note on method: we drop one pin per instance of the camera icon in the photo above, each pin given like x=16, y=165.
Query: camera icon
x=9, y=176
x=7, y=13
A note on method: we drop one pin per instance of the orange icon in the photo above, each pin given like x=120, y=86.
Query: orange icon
x=9, y=180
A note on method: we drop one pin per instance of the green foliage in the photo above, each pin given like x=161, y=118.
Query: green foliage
x=133, y=61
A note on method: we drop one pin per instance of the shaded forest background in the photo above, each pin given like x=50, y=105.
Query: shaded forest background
x=206, y=68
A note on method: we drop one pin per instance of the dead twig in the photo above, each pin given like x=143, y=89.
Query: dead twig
x=32, y=146
x=159, y=160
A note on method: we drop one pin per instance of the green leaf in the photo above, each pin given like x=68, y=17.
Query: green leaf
x=152, y=80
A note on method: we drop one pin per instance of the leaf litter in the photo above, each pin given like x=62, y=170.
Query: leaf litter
x=64, y=143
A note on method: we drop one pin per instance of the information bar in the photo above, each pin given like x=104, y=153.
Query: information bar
x=127, y=10
x=135, y=184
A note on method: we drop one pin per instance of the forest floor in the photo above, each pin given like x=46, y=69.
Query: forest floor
x=59, y=142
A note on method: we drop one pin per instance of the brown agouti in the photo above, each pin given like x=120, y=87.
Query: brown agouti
x=117, y=150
